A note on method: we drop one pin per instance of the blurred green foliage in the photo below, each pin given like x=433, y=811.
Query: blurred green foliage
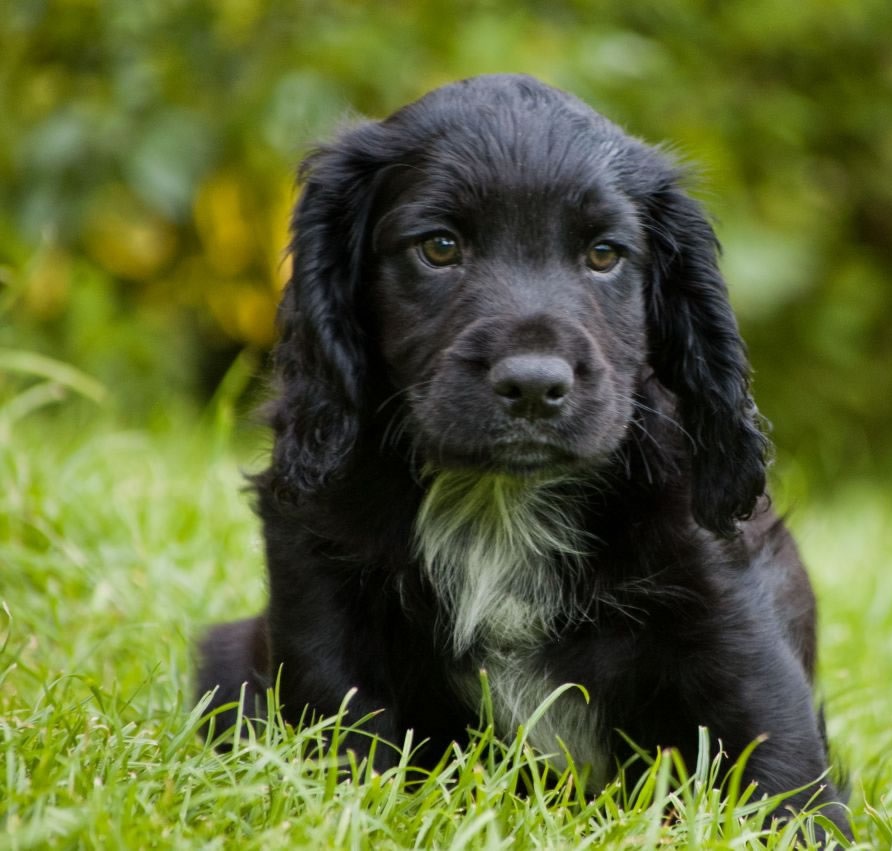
x=147, y=152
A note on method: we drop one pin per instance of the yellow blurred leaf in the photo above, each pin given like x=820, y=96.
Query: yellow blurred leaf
x=47, y=282
x=235, y=19
x=245, y=311
x=278, y=235
x=223, y=221
x=125, y=237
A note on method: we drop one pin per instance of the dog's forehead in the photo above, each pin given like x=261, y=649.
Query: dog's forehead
x=509, y=131
x=512, y=95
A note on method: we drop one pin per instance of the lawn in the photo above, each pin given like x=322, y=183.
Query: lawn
x=116, y=548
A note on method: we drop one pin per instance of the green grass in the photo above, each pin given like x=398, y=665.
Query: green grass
x=117, y=547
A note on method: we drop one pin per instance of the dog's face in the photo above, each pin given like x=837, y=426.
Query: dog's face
x=508, y=292
x=518, y=265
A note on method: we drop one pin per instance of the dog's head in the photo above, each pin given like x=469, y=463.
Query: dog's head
x=509, y=266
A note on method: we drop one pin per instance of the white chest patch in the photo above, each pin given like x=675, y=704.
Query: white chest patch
x=498, y=550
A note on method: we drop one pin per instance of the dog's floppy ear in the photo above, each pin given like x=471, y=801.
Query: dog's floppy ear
x=696, y=351
x=321, y=358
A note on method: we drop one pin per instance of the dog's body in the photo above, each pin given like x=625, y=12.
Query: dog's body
x=515, y=433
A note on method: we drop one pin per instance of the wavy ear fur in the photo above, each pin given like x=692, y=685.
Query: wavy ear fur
x=321, y=356
x=697, y=353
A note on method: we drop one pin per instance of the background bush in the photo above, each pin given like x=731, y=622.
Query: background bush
x=147, y=153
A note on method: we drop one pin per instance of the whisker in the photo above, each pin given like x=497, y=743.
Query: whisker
x=638, y=404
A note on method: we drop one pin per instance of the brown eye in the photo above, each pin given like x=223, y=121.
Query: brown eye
x=440, y=250
x=602, y=257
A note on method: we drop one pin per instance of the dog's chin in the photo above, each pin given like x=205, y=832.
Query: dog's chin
x=531, y=459
x=523, y=459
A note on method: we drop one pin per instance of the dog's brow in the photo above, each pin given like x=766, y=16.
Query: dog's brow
x=409, y=220
x=607, y=211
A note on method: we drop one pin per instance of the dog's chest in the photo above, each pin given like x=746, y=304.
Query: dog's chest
x=499, y=555
x=521, y=688
x=519, y=685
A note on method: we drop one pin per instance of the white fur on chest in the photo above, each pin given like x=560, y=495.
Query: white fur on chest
x=498, y=551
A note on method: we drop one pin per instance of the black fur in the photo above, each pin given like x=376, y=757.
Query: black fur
x=692, y=607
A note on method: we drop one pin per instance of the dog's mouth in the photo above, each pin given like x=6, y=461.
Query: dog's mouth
x=529, y=456
x=520, y=457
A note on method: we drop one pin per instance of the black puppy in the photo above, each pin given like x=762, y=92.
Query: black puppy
x=514, y=432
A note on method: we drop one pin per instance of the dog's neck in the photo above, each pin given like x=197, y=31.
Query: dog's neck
x=500, y=552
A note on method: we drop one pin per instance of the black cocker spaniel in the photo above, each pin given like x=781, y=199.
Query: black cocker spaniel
x=514, y=432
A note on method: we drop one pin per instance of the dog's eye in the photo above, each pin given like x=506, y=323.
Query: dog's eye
x=440, y=250
x=602, y=256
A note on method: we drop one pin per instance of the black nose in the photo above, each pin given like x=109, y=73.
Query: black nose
x=532, y=385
